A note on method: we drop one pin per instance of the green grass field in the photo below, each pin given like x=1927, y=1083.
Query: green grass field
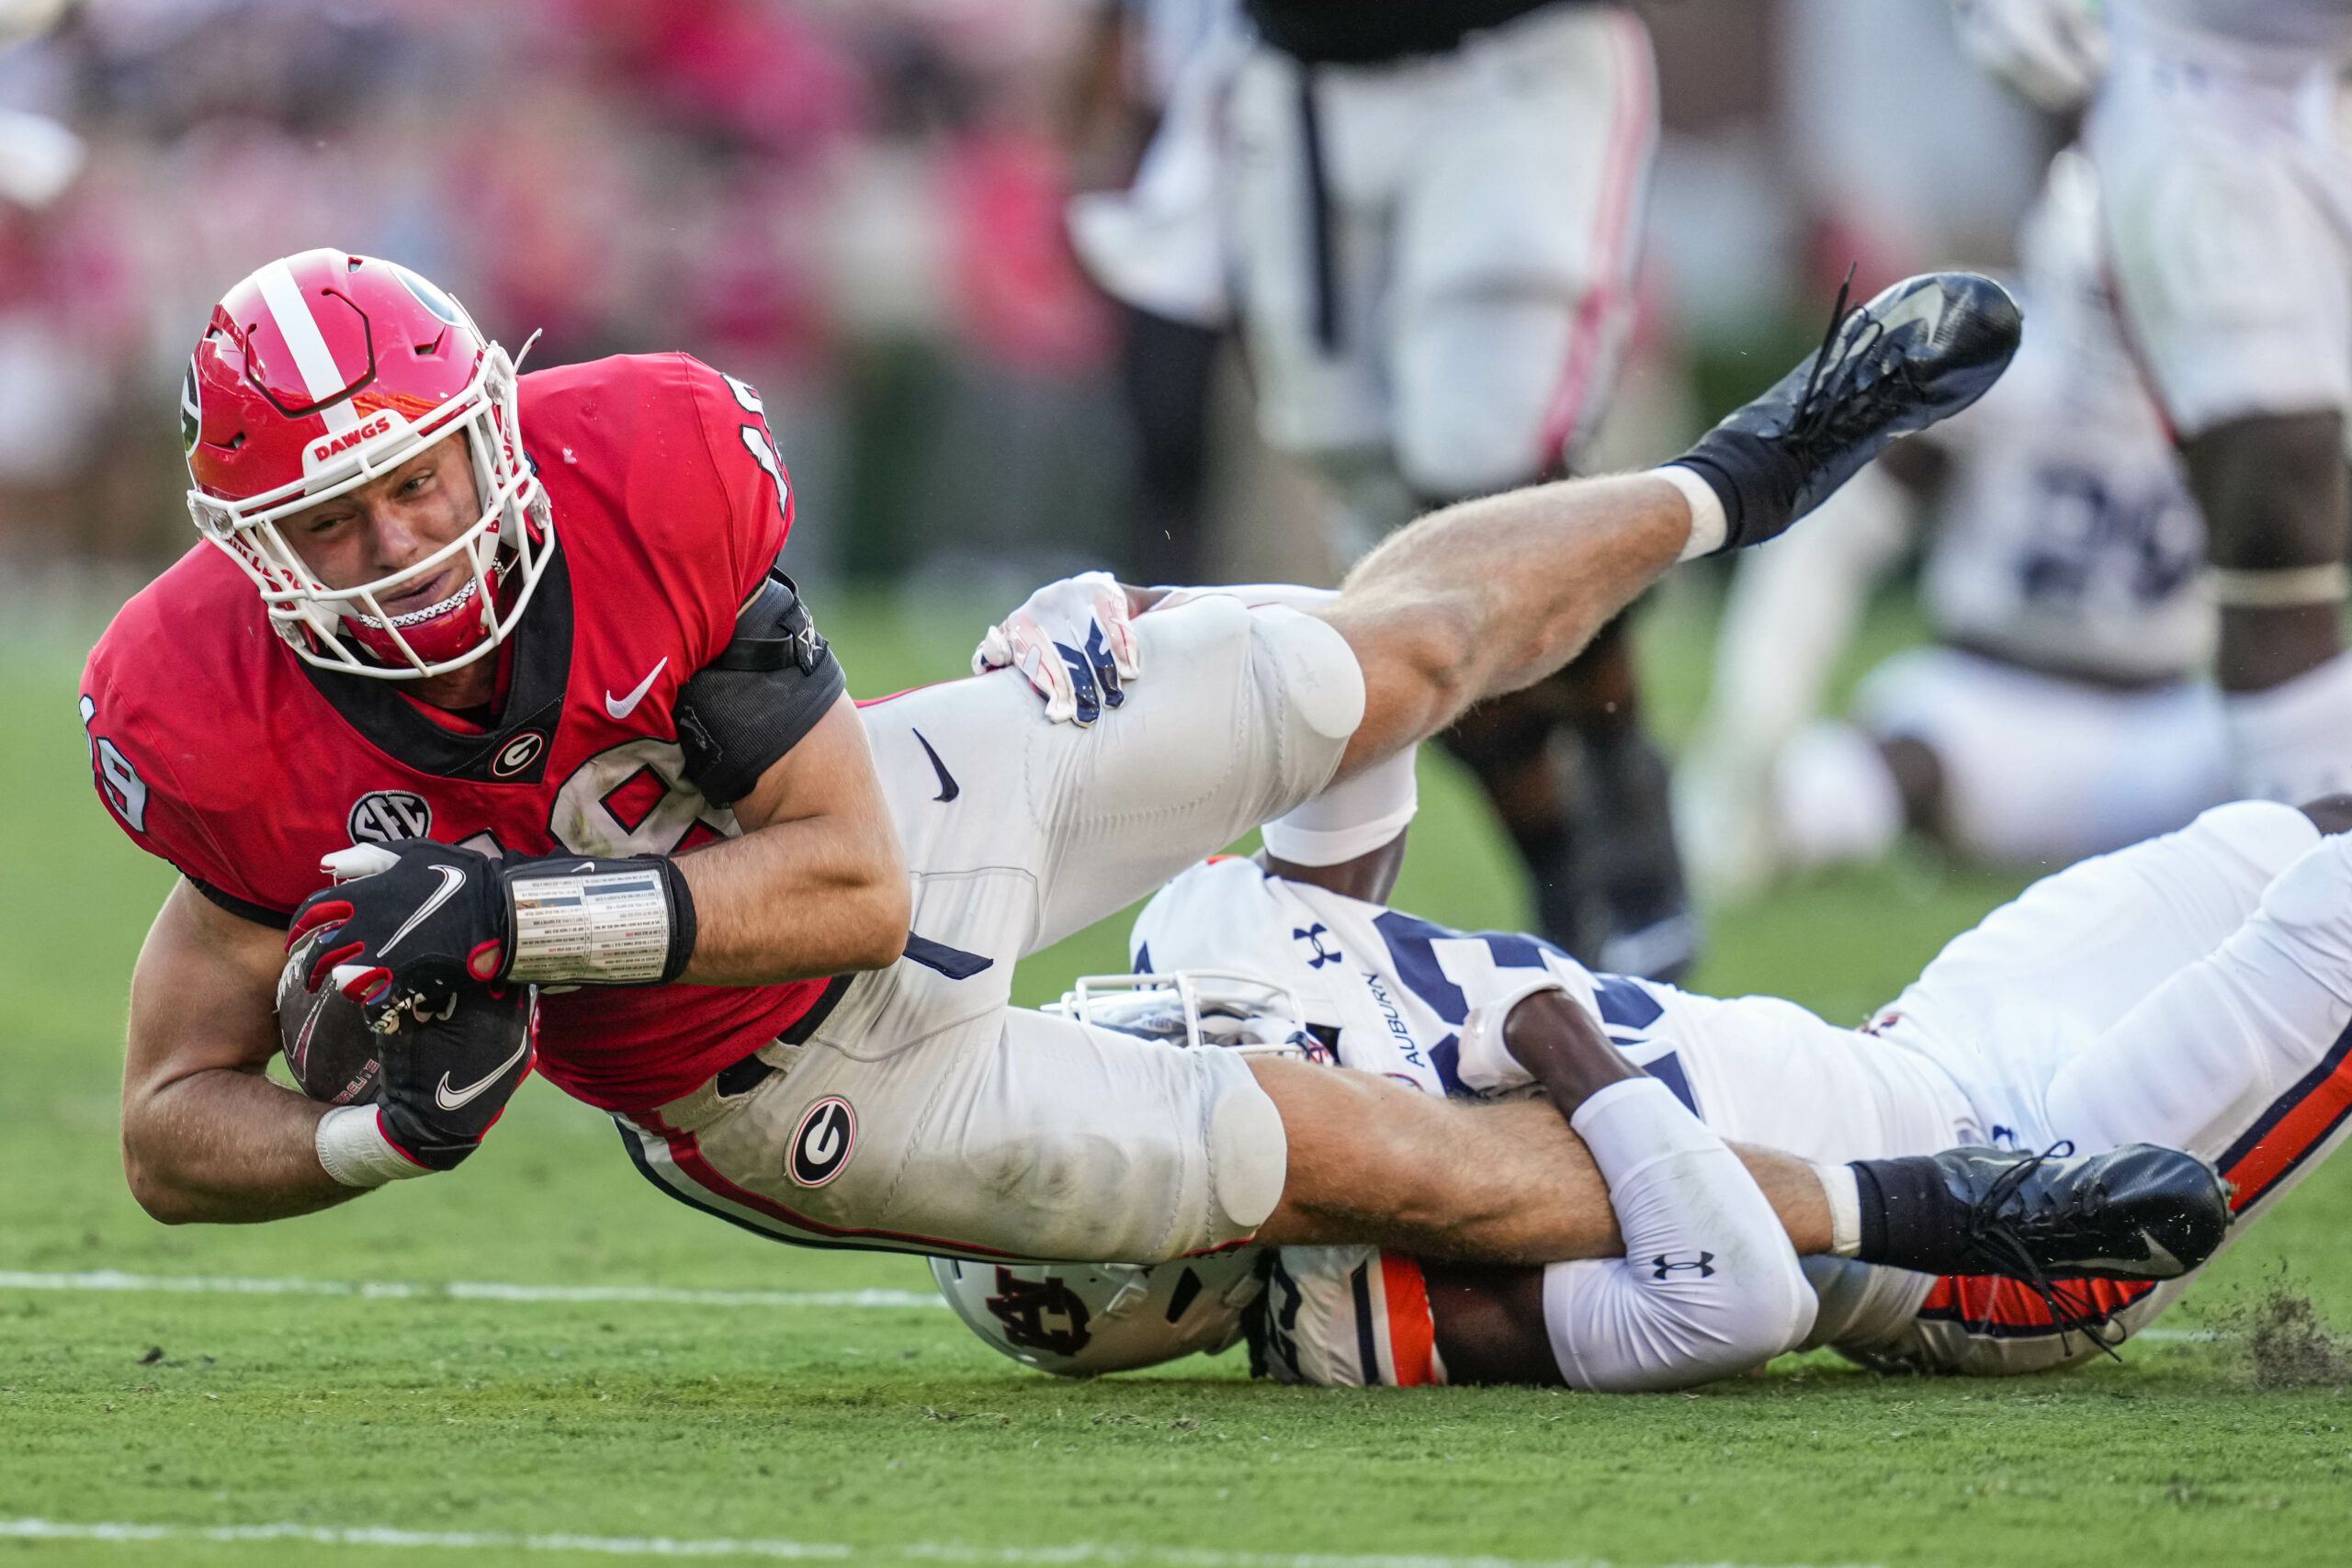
x=327, y=1425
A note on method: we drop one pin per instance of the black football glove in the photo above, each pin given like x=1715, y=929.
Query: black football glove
x=447, y=1077
x=413, y=925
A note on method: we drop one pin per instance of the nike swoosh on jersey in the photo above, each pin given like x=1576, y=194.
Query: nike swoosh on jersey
x=451, y=880
x=453, y=1099
x=947, y=786
x=621, y=708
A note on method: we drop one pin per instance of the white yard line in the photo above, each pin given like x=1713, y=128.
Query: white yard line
x=1073, y=1554
x=454, y=1290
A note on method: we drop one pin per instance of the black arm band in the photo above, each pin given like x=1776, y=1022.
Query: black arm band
x=766, y=689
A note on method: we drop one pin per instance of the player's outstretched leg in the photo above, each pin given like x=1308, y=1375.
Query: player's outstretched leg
x=1493, y=595
x=1917, y=354
x=2239, y=1058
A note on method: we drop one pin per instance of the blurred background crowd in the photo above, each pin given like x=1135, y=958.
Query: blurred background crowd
x=857, y=204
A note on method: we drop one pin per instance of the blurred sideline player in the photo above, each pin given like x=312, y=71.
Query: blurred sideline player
x=507, y=658
x=2229, y=213
x=1160, y=68
x=2061, y=712
x=1438, y=211
x=2192, y=990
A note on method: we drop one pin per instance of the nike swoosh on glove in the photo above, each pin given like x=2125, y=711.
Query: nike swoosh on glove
x=415, y=924
x=1074, y=642
x=412, y=924
x=447, y=1077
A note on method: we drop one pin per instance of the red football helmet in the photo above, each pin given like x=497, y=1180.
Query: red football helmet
x=323, y=371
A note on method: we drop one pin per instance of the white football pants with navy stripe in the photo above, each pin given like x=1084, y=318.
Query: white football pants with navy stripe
x=2194, y=991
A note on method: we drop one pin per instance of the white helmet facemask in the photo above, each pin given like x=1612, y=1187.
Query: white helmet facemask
x=1215, y=1008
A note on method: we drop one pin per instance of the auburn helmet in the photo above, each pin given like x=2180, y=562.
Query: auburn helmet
x=1078, y=1320
x=321, y=372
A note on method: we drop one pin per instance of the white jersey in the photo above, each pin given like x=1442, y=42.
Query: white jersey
x=2069, y=542
x=1387, y=990
x=2186, y=991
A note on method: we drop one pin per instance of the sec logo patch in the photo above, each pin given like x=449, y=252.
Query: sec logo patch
x=821, y=1143
x=383, y=815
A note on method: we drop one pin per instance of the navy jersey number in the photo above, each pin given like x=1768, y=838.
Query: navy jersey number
x=2149, y=537
x=1628, y=1008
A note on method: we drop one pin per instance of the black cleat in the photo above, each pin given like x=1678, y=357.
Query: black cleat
x=2135, y=1213
x=1920, y=352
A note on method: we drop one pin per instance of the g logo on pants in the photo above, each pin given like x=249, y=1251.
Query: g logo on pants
x=821, y=1143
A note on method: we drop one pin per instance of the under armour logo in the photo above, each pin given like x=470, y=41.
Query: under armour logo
x=1704, y=1263
x=1027, y=1308
x=1313, y=937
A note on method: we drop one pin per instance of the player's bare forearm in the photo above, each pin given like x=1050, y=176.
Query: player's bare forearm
x=226, y=1146
x=1374, y=1162
x=1491, y=595
x=816, y=885
x=205, y=1137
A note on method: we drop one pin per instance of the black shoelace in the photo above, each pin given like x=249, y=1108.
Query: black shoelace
x=1813, y=411
x=1993, y=1235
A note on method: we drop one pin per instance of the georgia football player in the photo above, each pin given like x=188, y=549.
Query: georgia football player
x=2193, y=991
x=385, y=640
x=577, y=594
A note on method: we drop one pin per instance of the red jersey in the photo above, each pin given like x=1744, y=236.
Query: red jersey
x=219, y=749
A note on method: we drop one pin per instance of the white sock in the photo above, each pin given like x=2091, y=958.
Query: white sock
x=2294, y=742
x=1845, y=1195
x=1350, y=818
x=1708, y=524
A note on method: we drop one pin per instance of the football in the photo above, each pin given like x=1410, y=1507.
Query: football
x=328, y=1046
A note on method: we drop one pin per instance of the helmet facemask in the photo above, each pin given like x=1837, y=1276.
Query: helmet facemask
x=507, y=545
x=325, y=371
x=1212, y=1008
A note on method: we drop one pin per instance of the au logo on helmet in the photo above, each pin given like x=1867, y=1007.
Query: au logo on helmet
x=1040, y=1314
